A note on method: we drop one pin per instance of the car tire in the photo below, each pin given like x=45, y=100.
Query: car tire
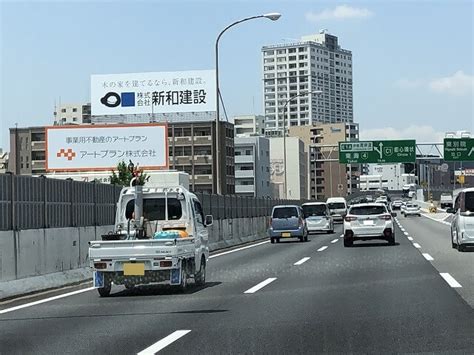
x=272, y=240
x=301, y=239
x=200, y=277
x=306, y=237
x=461, y=248
x=184, y=278
x=391, y=240
x=105, y=291
x=278, y=240
x=348, y=242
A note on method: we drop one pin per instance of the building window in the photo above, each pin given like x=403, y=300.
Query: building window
x=74, y=119
x=63, y=110
x=74, y=109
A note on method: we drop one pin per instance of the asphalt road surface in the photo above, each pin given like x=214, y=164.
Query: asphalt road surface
x=286, y=298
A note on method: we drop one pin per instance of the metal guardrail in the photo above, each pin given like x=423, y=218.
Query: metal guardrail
x=28, y=202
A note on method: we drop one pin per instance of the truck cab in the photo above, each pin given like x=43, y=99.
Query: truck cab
x=160, y=236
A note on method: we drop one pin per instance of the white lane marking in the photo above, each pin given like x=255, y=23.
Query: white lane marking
x=406, y=233
x=238, y=249
x=334, y=241
x=416, y=245
x=342, y=236
x=410, y=238
x=428, y=256
x=302, y=261
x=450, y=280
x=260, y=285
x=402, y=229
x=3, y=311
x=163, y=343
x=436, y=220
x=323, y=248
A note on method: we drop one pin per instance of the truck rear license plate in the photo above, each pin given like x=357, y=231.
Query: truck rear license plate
x=134, y=269
x=286, y=234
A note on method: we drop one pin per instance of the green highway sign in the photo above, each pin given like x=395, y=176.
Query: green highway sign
x=396, y=151
x=459, y=149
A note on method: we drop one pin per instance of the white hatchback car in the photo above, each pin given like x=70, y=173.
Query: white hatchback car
x=318, y=217
x=462, y=225
x=369, y=221
x=411, y=209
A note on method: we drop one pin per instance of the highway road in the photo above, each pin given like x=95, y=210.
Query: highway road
x=286, y=298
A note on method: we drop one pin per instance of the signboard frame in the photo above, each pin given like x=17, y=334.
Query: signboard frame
x=387, y=149
x=153, y=93
x=164, y=126
x=461, y=145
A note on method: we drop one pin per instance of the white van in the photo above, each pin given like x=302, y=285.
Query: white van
x=338, y=207
x=462, y=225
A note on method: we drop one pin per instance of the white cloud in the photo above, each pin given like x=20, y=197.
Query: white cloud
x=457, y=84
x=409, y=84
x=419, y=133
x=341, y=12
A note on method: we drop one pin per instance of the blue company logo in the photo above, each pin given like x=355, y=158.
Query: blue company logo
x=112, y=99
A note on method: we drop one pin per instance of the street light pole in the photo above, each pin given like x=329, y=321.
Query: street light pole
x=271, y=16
x=304, y=93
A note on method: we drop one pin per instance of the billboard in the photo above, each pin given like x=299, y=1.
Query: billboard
x=94, y=148
x=155, y=92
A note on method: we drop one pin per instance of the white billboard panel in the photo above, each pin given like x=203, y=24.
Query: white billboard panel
x=92, y=148
x=156, y=92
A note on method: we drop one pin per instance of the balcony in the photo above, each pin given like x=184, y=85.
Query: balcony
x=38, y=146
x=244, y=189
x=182, y=160
x=207, y=140
x=203, y=159
x=244, y=159
x=180, y=140
x=244, y=174
x=38, y=164
x=202, y=179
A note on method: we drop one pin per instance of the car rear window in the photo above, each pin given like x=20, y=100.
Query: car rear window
x=314, y=210
x=469, y=202
x=154, y=209
x=336, y=205
x=285, y=212
x=367, y=210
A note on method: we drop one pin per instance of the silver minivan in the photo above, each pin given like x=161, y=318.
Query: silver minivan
x=462, y=225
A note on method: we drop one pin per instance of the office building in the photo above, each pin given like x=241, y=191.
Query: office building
x=252, y=167
x=3, y=161
x=328, y=178
x=316, y=62
x=296, y=168
x=190, y=150
x=72, y=114
x=27, y=151
x=249, y=125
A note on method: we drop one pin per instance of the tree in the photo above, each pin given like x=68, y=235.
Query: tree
x=125, y=173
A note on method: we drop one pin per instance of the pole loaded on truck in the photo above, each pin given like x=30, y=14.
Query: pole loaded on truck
x=160, y=237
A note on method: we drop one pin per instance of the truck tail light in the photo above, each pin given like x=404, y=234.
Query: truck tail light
x=350, y=218
x=166, y=263
x=100, y=266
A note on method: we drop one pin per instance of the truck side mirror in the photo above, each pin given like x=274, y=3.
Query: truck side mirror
x=450, y=210
x=209, y=220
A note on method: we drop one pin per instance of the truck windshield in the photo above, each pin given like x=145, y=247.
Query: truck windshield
x=154, y=209
x=314, y=210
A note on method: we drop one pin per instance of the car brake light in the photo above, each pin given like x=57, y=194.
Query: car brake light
x=270, y=222
x=350, y=218
x=386, y=217
x=300, y=221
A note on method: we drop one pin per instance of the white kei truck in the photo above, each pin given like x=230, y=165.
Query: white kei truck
x=160, y=237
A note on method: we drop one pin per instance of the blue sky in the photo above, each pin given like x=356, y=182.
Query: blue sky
x=413, y=60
